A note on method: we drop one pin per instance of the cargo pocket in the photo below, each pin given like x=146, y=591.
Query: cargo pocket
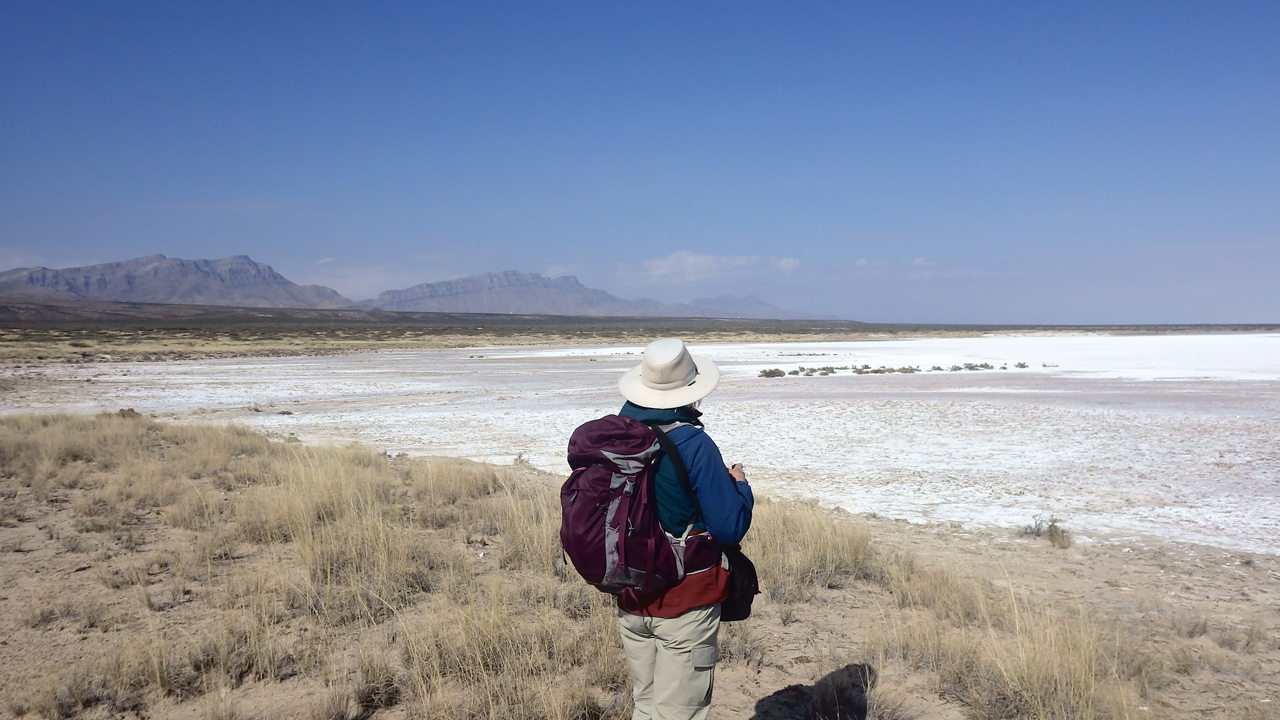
x=704, y=656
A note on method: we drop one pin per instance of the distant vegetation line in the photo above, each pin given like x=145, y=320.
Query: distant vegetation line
x=28, y=314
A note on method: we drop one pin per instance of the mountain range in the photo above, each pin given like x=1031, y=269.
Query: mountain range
x=235, y=280
x=241, y=282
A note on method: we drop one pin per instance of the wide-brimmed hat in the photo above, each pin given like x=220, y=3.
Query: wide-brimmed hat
x=669, y=377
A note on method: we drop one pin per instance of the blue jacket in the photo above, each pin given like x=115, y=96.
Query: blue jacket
x=726, y=505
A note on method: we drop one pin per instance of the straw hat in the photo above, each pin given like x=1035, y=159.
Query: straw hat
x=669, y=377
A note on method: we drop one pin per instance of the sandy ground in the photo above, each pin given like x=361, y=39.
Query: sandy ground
x=1146, y=590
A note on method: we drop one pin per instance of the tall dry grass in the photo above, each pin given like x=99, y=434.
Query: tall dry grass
x=449, y=576
x=798, y=547
x=341, y=538
x=1000, y=654
x=1036, y=662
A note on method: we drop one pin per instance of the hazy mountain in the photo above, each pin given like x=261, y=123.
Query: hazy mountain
x=748, y=306
x=236, y=281
x=530, y=293
x=239, y=281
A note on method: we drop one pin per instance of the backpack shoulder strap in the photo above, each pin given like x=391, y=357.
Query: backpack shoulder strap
x=669, y=448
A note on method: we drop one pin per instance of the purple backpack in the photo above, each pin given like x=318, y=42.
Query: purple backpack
x=609, y=524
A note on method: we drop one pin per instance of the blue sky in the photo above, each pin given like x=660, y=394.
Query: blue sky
x=913, y=162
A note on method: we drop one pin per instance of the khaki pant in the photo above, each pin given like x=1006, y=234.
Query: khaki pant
x=673, y=662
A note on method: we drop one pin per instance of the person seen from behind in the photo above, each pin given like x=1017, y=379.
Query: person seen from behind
x=670, y=637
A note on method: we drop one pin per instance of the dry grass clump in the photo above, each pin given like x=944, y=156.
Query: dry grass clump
x=485, y=660
x=797, y=547
x=364, y=567
x=1191, y=627
x=528, y=518
x=1045, y=664
x=1006, y=656
x=380, y=684
x=742, y=644
x=125, y=678
x=950, y=596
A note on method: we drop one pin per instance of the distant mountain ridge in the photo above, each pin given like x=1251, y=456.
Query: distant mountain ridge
x=238, y=281
x=234, y=281
x=531, y=293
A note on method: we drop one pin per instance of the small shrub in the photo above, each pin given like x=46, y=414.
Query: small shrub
x=776, y=372
x=1058, y=535
x=1051, y=529
x=1036, y=528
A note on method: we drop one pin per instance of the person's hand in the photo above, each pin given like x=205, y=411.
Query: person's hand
x=739, y=475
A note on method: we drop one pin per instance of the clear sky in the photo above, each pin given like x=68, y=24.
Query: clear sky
x=900, y=161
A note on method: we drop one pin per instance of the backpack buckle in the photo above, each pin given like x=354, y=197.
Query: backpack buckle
x=685, y=535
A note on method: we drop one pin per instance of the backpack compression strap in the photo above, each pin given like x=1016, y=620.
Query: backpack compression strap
x=669, y=448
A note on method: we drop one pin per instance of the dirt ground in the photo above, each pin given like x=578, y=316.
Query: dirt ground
x=57, y=607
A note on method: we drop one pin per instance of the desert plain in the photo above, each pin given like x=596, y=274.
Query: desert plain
x=1152, y=456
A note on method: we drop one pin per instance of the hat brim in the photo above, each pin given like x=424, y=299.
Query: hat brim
x=633, y=389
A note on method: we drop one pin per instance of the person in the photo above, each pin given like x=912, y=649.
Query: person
x=670, y=637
